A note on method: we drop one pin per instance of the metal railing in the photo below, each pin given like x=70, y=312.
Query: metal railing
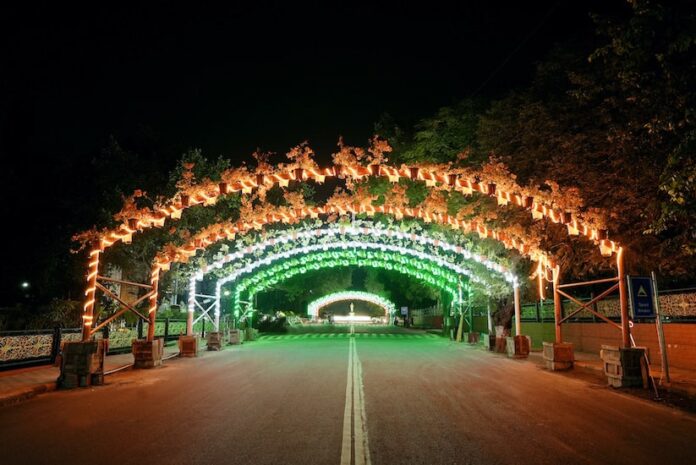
x=33, y=347
x=42, y=346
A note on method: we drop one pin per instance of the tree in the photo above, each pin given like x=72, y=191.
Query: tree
x=444, y=136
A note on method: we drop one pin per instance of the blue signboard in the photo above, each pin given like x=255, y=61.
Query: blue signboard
x=640, y=290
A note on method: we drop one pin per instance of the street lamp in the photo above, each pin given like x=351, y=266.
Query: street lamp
x=24, y=285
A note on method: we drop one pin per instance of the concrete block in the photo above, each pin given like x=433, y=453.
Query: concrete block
x=558, y=356
x=188, y=346
x=214, y=340
x=147, y=354
x=518, y=346
x=488, y=341
x=625, y=367
x=82, y=364
x=501, y=344
x=235, y=337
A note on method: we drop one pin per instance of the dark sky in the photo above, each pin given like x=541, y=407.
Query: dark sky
x=230, y=80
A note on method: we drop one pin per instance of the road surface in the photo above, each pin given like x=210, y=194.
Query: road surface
x=333, y=399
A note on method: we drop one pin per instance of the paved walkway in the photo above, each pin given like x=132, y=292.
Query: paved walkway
x=681, y=380
x=23, y=383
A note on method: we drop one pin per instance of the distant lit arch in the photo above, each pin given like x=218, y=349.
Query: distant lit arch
x=435, y=273
x=315, y=307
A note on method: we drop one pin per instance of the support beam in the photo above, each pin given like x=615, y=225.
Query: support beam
x=587, y=305
x=623, y=299
x=125, y=306
x=557, y=304
x=127, y=283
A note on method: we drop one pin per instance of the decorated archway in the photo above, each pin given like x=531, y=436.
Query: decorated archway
x=354, y=165
x=314, y=307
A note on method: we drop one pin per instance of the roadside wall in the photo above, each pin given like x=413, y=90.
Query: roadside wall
x=589, y=337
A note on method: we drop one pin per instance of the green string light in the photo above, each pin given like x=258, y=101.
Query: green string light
x=426, y=272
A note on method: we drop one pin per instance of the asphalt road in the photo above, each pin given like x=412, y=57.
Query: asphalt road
x=387, y=399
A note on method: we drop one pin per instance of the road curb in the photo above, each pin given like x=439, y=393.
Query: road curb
x=23, y=394
x=674, y=388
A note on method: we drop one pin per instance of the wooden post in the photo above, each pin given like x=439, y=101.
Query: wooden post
x=623, y=299
x=488, y=316
x=154, y=280
x=189, y=323
x=557, y=304
x=90, y=293
x=518, y=312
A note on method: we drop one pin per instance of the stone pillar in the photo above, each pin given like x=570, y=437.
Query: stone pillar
x=558, y=356
x=148, y=354
x=82, y=364
x=625, y=367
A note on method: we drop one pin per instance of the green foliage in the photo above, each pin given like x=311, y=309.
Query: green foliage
x=446, y=135
x=678, y=182
x=378, y=186
x=619, y=127
x=58, y=313
x=203, y=168
x=415, y=191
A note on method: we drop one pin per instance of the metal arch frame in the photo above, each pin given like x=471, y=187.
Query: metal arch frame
x=315, y=306
x=324, y=247
x=351, y=230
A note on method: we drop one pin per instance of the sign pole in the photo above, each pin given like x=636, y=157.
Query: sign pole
x=660, y=331
x=623, y=300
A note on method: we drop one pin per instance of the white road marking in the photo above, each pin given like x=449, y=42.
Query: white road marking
x=362, y=450
x=355, y=444
x=347, y=446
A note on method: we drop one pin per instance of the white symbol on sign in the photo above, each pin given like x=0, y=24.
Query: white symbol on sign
x=642, y=292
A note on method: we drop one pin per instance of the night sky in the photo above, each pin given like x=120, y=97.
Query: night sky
x=229, y=81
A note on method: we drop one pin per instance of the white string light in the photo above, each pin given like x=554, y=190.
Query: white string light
x=314, y=307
